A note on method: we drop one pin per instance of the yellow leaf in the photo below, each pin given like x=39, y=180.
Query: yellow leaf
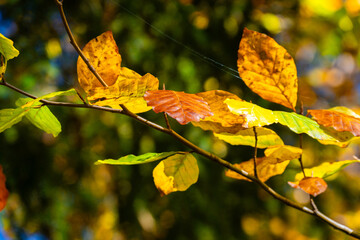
x=266, y=168
x=222, y=120
x=267, y=68
x=283, y=153
x=266, y=137
x=176, y=173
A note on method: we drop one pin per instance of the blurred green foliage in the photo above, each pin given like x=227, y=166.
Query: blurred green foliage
x=56, y=189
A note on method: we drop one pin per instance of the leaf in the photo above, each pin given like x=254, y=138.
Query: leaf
x=338, y=120
x=128, y=89
x=4, y=193
x=267, y=68
x=176, y=173
x=266, y=168
x=7, y=52
x=325, y=169
x=258, y=116
x=222, y=119
x=124, y=85
x=41, y=117
x=283, y=153
x=266, y=137
x=184, y=107
x=133, y=160
x=10, y=117
x=49, y=95
x=311, y=185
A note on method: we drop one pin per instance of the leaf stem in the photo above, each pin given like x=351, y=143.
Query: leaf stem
x=59, y=3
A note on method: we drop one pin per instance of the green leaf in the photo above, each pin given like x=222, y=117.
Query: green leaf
x=7, y=48
x=50, y=95
x=325, y=169
x=133, y=160
x=266, y=137
x=10, y=117
x=176, y=173
x=41, y=117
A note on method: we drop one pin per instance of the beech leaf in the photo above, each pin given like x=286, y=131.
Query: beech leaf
x=176, y=173
x=266, y=168
x=7, y=52
x=267, y=68
x=10, y=117
x=310, y=185
x=4, y=193
x=340, y=121
x=133, y=160
x=266, y=137
x=222, y=119
x=283, y=153
x=184, y=107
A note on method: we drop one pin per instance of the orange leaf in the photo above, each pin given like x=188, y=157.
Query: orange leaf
x=222, y=119
x=103, y=54
x=267, y=68
x=338, y=120
x=184, y=107
x=310, y=185
x=3, y=191
x=266, y=168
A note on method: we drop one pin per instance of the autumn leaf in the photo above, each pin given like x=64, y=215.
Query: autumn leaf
x=310, y=185
x=222, y=119
x=183, y=107
x=325, y=169
x=266, y=168
x=267, y=68
x=134, y=160
x=176, y=173
x=283, y=152
x=3, y=190
x=340, y=121
x=7, y=52
x=124, y=85
x=266, y=137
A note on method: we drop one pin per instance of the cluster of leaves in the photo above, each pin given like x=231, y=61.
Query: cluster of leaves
x=265, y=67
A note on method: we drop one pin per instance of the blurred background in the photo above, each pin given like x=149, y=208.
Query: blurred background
x=56, y=191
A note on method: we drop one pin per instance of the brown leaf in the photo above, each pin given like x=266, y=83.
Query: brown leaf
x=310, y=185
x=184, y=107
x=266, y=168
x=338, y=120
x=222, y=119
x=267, y=68
x=3, y=191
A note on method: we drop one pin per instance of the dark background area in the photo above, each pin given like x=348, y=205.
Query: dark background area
x=56, y=191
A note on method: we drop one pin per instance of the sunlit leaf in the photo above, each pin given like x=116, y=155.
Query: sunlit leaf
x=326, y=169
x=266, y=168
x=258, y=116
x=183, y=107
x=310, y=185
x=125, y=87
x=267, y=68
x=3, y=190
x=266, y=137
x=7, y=52
x=133, y=160
x=222, y=120
x=283, y=153
x=33, y=102
x=41, y=117
x=176, y=173
x=340, y=121
x=10, y=117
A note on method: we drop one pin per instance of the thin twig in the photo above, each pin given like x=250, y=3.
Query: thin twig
x=255, y=152
x=301, y=141
x=59, y=3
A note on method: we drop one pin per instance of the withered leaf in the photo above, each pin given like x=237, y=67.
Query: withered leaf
x=184, y=107
x=310, y=185
x=3, y=190
x=267, y=68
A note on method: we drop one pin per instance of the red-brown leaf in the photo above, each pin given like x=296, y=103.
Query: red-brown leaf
x=184, y=107
x=338, y=120
x=3, y=191
x=310, y=185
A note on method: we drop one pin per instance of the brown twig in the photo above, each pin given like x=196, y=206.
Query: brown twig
x=255, y=152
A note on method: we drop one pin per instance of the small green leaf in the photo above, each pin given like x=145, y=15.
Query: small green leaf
x=10, y=117
x=133, y=160
x=50, y=95
x=325, y=169
x=41, y=117
x=266, y=137
x=7, y=48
